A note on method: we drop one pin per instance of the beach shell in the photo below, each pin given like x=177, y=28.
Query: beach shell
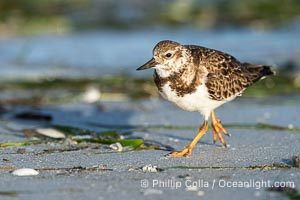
x=149, y=168
x=116, y=146
x=49, y=132
x=25, y=172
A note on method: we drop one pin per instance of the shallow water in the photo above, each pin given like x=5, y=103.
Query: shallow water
x=113, y=52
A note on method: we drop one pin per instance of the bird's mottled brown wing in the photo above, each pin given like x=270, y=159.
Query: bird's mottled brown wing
x=226, y=77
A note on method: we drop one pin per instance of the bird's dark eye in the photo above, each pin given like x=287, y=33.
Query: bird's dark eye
x=168, y=55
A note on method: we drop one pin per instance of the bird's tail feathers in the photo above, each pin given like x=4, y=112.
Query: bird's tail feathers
x=257, y=72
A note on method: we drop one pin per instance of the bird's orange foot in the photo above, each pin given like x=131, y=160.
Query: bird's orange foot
x=218, y=129
x=185, y=152
x=188, y=150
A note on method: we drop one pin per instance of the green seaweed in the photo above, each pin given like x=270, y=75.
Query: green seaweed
x=9, y=193
x=261, y=126
x=103, y=137
x=18, y=144
x=275, y=127
x=292, y=195
x=134, y=143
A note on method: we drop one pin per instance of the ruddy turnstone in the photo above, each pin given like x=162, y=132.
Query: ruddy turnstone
x=199, y=79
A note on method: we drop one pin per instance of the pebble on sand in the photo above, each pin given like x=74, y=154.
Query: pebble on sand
x=149, y=168
x=116, y=146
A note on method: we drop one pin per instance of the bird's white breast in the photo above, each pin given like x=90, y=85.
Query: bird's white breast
x=198, y=101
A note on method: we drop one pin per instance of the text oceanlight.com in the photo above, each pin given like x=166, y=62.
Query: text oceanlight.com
x=221, y=183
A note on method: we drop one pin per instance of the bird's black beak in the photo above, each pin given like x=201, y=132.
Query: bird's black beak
x=147, y=65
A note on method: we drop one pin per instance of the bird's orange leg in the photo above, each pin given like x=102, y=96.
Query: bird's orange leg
x=218, y=129
x=188, y=149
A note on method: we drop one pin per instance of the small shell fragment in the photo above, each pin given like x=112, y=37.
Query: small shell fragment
x=25, y=172
x=116, y=146
x=149, y=168
x=43, y=133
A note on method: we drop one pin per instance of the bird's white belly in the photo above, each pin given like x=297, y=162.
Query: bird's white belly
x=198, y=101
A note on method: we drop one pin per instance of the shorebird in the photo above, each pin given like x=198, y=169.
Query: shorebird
x=199, y=79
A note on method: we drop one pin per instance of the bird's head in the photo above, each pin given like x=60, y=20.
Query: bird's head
x=168, y=57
